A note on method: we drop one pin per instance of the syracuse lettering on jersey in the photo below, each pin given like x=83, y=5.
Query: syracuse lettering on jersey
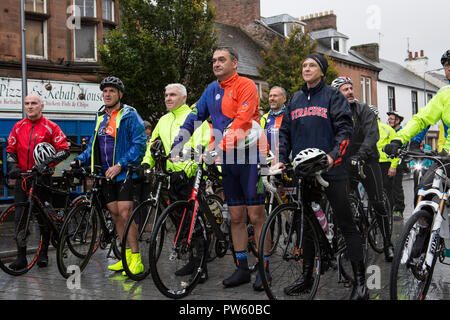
x=311, y=111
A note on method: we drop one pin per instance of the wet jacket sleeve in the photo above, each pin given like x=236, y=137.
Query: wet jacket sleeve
x=371, y=134
x=427, y=116
x=341, y=119
x=137, y=140
x=199, y=113
x=285, y=144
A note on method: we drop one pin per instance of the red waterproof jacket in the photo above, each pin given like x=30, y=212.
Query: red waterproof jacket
x=26, y=134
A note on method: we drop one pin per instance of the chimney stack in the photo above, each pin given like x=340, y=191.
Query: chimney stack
x=370, y=50
x=320, y=21
x=236, y=12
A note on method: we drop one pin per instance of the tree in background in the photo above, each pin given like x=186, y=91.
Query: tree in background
x=283, y=63
x=160, y=42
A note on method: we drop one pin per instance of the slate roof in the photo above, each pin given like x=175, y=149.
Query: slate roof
x=281, y=18
x=397, y=74
x=248, y=50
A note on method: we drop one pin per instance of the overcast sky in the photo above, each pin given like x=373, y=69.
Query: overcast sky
x=425, y=23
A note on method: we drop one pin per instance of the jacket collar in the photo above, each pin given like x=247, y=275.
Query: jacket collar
x=313, y=91
x=229, y=82
x=180, y=109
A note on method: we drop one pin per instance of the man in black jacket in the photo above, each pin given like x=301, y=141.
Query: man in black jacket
x=363, y=150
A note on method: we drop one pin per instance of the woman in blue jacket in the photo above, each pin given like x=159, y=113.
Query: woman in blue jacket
x=319, y=116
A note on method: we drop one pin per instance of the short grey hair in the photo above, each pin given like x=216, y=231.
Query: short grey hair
x=179, y=86
x=283, y=91
x=233, y=53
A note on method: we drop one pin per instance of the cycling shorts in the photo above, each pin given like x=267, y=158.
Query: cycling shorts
x=242, y=186
x=118, y=191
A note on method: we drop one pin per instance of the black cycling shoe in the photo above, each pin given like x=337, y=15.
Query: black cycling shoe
x=239, y=276
x=187, y=269
x=42, y=260
x=21, y=260
x=258, y=285
x=302, y=285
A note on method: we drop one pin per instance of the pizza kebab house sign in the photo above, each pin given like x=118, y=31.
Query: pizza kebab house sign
x=57, y=96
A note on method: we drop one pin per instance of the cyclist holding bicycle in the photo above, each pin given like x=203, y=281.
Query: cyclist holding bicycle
x=119, y=139
x=233, y=104
x=34, y=142
x=363, y=148
x=182, y=173
x=319, y=116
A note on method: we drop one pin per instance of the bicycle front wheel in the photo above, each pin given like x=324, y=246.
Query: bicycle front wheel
x=142, y=220
x=410, y=278
x=167, y=270
x=19, y=241
x=77, y=239
x=286, y=261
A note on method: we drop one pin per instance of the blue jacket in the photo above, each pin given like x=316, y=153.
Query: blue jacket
x=319, y=118
x=130, y=141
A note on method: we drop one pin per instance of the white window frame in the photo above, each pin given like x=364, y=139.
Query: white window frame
x=84, y=1
x=414, y=104
x=45, y=47
x=391, y=108
x=95, y=46
x=342, y=45
x=112, y=11
x=369, y=90
x=34, y=6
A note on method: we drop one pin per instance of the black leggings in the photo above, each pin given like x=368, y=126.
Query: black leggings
x=337, y=194
x=20, y=195
x=373, y=184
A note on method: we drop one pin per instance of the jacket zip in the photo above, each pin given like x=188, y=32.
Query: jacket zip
x=29, y=146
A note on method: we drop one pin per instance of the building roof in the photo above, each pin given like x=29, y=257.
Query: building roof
x=395, y=73
x=327, y=33
x=352, y=57
x=248, y=50
x=282, y=18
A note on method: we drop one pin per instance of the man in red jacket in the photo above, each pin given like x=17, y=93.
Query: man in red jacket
x=20, y=156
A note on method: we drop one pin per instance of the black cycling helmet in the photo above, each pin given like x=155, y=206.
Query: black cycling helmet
x=445, y=57
x=157, y=148
x=112, y=82
x=309, y=162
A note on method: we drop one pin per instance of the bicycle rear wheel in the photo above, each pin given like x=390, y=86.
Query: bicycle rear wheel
x=375, y=234
x=215, y=204
x=10, y=239
x=287, y=255
x=143, y=219
x=409, y=279
x=362, y=224
x=173, y=255
x=78, y=238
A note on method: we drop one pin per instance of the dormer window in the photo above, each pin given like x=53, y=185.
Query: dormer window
x=339, y=45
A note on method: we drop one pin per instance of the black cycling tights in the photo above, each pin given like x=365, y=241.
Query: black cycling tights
x=337, y=195
x=373, y=184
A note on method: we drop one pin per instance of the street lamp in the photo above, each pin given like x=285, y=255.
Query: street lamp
x=24, y=57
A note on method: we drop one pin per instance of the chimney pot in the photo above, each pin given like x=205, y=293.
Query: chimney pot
x=416, y=55
x=421, y=53
x=410, y=55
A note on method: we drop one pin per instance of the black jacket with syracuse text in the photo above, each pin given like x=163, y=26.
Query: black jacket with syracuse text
x=320, y=118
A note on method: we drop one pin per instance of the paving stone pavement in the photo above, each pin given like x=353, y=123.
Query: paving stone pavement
x=98, y=283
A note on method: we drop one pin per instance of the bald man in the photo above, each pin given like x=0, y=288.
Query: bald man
x=26, y=134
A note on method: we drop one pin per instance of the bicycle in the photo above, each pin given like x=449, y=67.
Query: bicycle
x=365, y=214
x=87, y=227
x=300, y=226
x=33, y=215
x=144, y=216
x=425, y=236
x=183, y=232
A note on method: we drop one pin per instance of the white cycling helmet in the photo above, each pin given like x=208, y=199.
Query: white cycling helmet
x=252, y=137
x=42, y=152
x=310, y=161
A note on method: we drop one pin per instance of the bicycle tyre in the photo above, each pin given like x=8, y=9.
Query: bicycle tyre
x=144, y=217
x=375, y=235
x=8, y=240
x=285, y=261
x=402, y=286
x=362, y=224
x=170, y=260
x=78, y=238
